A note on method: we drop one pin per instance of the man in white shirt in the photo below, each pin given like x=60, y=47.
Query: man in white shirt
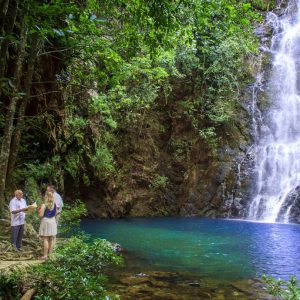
x=57, y=200
x=17, y=207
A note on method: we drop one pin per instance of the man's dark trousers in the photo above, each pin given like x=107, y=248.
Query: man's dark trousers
x=17, y=235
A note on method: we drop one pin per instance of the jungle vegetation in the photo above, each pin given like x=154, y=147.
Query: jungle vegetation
x=77, y=76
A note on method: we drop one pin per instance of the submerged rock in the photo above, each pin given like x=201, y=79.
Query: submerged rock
x=162, y=285
x=134, y=280
x=194, y=284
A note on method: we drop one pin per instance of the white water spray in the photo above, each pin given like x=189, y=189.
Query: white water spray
x=278, y=150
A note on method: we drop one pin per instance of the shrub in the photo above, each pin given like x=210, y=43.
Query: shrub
x=74, y=271
x=263, y=4
x=70, y=217
x=283, y=290
x=159, y=182
x=10, y=285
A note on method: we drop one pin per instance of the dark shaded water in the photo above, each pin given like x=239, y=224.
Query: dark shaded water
x=220, y=249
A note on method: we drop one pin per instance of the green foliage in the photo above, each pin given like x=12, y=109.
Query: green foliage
x=74, y=271
x=102, y=161
x=34, y=220
x=34, y=171
x=70, y=217
x=264, y=4
x=155, y=24
x=180, y=148
x=209, y=135
x=116, y=61
x=159, y=182
x=36, y=174
x=11, y=285
x=74, y=274
x=72, y=164
x=218, y=61
x=283, y=290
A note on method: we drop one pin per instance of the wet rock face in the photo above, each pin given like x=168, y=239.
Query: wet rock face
x=153, y=181
x=292, y=203
x=171, y=172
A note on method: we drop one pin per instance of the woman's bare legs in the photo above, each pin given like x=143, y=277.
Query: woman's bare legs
x=46, y=247
x=51, y=244
x=48, y=242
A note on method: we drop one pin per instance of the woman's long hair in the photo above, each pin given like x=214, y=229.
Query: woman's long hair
x=49, y=200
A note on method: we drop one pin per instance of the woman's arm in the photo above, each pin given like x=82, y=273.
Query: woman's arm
x=42, y=210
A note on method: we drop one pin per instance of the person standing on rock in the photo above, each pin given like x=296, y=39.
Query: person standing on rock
x=59, y=205
x=17, y=208
x=48, y=226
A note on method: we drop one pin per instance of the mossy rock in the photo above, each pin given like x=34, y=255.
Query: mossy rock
x=264, y=5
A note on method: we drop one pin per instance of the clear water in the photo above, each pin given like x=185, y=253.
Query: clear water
x=210, y=248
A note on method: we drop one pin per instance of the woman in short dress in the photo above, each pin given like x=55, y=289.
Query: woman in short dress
x=48, y=227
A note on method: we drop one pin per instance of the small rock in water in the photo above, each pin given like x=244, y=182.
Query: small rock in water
x=117, y=248
x=194, y=284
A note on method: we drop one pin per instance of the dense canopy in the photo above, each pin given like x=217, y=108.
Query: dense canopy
x=83, y=82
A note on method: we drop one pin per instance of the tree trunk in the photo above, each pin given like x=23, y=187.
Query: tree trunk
x=3, y=11
x=15, y=146
x=9, y=120
x=11, y=16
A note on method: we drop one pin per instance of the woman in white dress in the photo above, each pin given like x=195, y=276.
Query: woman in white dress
x=48, y=227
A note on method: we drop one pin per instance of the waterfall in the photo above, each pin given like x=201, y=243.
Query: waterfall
x=277, y=150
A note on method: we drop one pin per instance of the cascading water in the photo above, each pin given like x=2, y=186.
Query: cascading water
x=277, y=164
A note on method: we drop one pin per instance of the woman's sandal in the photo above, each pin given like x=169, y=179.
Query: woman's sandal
x=43, y=258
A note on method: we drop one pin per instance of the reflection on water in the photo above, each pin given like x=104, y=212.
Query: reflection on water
x=219, y=249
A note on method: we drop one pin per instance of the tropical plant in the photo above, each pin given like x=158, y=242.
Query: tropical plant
x=75, y=271
x=283, y=289
x=159, y=182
